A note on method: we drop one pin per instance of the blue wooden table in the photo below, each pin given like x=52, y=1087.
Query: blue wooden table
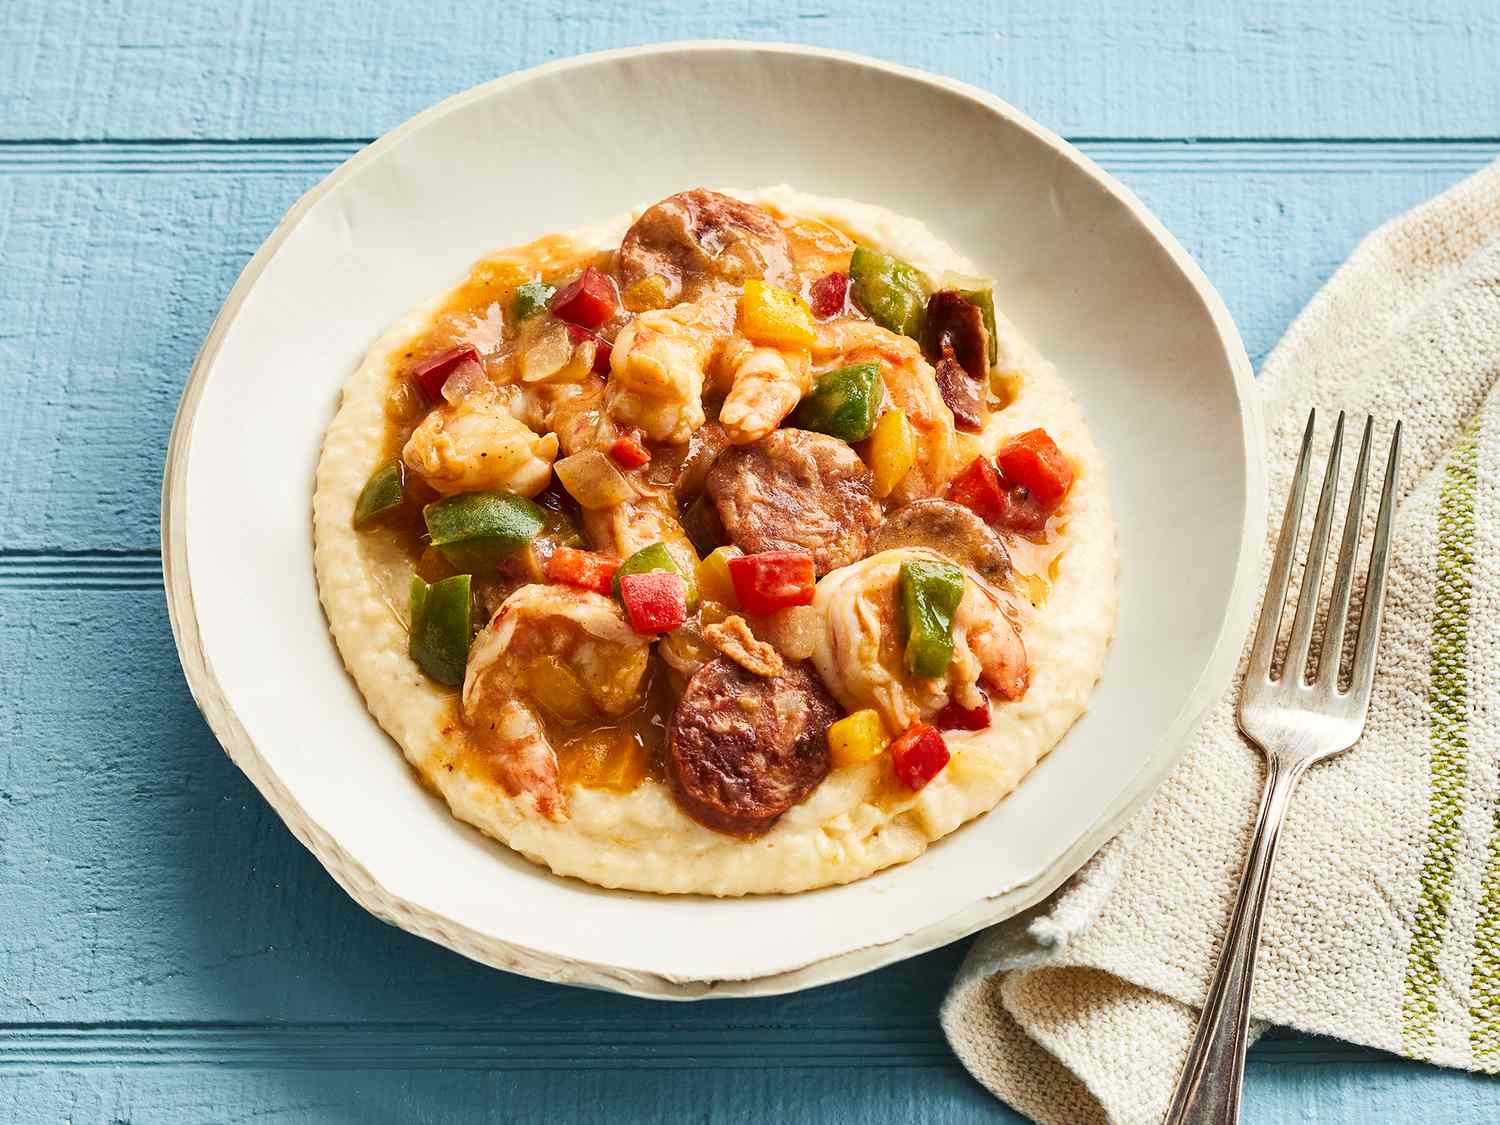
x=167, y=952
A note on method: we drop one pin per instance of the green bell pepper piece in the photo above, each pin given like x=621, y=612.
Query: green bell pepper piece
x=532, y=298
x=844, y=404
x=930, y=593
x=704, y=528
x=889, y=289
x=657, y=557
x=985, y=299
x=441, y=627
x=475, y=530
x=382, y=493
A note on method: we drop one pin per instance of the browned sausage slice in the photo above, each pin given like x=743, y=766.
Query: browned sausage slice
x=796, y=490
x=697, y=237
x=950, y=529
x=744, y=748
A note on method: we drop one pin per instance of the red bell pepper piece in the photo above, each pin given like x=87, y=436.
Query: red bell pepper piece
x=977, y=487
x=1032, y=461
x=602, y=347
x=655, y=601
x=432, y=373
x=919, y=755
x=955, y=717
x=828, y=294
x=587, y=570
x=772, y=580
x=629, y=451
x=589, y=300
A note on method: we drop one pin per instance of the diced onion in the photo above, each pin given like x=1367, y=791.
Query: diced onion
x=593, y=480
x=792, y=631
x=465, y=380
x=553, y=356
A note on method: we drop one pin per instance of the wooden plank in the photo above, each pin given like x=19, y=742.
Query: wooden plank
x=1278, y=68
x=171, y=953
x=117, y=258
x=1363, y=1095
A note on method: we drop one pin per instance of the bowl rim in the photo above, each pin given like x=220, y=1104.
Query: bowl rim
x=498, y=953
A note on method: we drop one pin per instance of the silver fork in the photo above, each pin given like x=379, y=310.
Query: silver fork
x=1296, y=722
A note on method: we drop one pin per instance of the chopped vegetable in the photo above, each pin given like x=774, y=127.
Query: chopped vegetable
x=714, y=582
x=1033, y=461
x=892, y=452
x=857, y=738
x=553, y=685
x=956, y=717
x=602, y=347
x=649, y=292
x=655, y=558
x=930, y=593
x=588, y=570
x=432, y=373
x=441, y=627
x=590, y=300
x=962, y=393
x=977, y=487
x=475, y=530
x=655, y=601
x=772, y=580
x=381, y=495
x=532, y=298
x=593, y=479
x=954, y=326
x=775, y=316
x=610, y=758
x=828, y=294
x=704, y=528
x=554, y=356
x=629, y=452
x=888, y=289
x=843, y=403
x=918, y=755
x=984, y=297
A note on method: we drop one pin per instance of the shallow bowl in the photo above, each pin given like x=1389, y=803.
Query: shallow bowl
x=1084, y=270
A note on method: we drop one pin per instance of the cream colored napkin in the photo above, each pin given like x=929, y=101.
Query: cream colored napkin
x=1383, y=925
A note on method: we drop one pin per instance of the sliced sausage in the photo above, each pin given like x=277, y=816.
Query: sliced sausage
x=698, y=237
x=949, y=529
x=743, y=748
x=796, y=490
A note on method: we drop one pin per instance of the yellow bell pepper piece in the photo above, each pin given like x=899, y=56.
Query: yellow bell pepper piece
x=714, y=583
x=552, y=684
x=857, y=738
x=647, y=293
x=892, y=451
x=609, y=758
x=775, y=316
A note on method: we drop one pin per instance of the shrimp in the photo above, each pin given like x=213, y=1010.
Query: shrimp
x=859, y=653
x=911, y=384
x=480, y=444
x=626, y=528
x=765, y=386
x=658, y=366
x=588, y=635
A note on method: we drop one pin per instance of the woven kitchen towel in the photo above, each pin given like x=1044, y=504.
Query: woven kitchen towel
x=1383, y=925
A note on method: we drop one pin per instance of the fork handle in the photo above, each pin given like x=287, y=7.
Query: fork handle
x=1208, y=1093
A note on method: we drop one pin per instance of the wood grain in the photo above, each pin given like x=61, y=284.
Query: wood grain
x=167, y=952
x=123, y=236
x=261, y=69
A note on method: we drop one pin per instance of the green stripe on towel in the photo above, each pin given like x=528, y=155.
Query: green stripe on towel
x=1484, y=983
x=1448, y=706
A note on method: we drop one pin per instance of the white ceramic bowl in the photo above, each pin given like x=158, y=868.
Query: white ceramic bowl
x=1087, y=273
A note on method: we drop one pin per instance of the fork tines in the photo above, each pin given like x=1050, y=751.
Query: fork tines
x=1332, y=642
